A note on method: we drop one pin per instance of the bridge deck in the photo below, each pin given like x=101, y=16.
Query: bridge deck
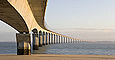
x=56, y=57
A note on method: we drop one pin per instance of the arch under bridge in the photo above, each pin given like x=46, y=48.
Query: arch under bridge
x=28, y=16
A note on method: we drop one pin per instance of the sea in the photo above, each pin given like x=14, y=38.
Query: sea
x=81, y=48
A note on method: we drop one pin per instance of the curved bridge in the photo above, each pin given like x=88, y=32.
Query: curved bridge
x=27, y=16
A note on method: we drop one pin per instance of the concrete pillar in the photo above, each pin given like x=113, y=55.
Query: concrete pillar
x=40, y=39
x=59, y=39
x=23, y=44
x=49, y=38
x=67, y=40
x=43, y=35
x=74, y=41
x=54, y=38
x=35, y=41
x=71, y=40
x=46, y=38
x=64, y=40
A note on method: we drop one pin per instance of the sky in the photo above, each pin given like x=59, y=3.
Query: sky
x=84, y=19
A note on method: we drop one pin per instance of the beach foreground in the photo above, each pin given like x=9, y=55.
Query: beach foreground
x=56, y=57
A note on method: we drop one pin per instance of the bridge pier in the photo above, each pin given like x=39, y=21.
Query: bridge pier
x=49, y=38
x=43, y=35
x=66, y=40
x=40, y=39
x=71, y=40
x=63, y=39
x=35, y=41
x=46, y=38
x=59, y=40
x=23, y=44
x=54, y=38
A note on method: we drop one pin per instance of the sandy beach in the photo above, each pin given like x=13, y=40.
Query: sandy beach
x=56, y=57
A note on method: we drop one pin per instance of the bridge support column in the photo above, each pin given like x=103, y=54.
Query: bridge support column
x=46, y=38
x=64, y=39
x=71, y=40
x=23, y=44
x=35, y=41
x=51, y=38
x=43, y=35
x=59, y=40
x=67, y=40
x=40, y=39
x=54, y=38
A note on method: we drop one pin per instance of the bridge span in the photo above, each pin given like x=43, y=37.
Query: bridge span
x=27, y=16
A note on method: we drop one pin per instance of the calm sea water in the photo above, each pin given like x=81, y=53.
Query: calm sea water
x=67, y=48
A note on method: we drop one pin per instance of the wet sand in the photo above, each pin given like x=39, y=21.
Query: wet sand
x=56, y=57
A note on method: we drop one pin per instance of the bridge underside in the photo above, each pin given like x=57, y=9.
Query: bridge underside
x=9, y=15
x=38, y=8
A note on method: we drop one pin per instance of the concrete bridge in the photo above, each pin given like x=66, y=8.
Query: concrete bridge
x=27, y=16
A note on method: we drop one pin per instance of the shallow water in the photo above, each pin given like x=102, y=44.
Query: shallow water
x=66, y=48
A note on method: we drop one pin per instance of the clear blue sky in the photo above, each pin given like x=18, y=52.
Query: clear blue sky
x=81, y=13
x=84, y=19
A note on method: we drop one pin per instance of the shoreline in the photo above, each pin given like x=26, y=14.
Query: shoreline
x=55, y=57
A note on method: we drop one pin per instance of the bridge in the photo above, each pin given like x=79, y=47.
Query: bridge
x=27, y=17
